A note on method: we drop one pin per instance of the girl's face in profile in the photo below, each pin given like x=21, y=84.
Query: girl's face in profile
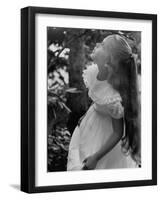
x=100, y=54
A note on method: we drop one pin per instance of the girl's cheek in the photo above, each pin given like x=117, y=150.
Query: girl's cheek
x=97, y=55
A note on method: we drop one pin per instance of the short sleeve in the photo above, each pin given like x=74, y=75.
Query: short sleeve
x=115, y=108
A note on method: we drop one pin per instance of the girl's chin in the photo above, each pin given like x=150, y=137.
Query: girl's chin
x=92, y=56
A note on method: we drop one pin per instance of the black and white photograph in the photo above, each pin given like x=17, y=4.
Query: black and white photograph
x=90, y=99
x=93, y=99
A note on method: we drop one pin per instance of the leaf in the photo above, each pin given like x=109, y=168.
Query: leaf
x=67, y=133
x=55, y=148
x=61, y=105
x=73, y=90
x=63, y=147
x=68, y=110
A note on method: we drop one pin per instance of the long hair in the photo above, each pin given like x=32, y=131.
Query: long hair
x=124, y=80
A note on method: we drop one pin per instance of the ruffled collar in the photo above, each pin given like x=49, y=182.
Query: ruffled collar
x=101, y=92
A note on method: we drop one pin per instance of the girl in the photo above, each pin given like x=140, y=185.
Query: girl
x=108, y=136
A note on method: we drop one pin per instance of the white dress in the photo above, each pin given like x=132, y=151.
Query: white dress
x=96, y=126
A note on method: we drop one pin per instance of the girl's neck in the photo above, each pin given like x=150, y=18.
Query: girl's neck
x=103, y=74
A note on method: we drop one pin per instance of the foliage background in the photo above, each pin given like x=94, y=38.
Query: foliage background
x=68, y=53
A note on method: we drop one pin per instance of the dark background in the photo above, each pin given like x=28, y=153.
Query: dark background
x=68, y=53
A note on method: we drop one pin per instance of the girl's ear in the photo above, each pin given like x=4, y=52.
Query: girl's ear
x=108, y=58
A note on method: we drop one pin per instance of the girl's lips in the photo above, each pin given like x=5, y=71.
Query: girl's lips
x=92, y=55
x=94, y=50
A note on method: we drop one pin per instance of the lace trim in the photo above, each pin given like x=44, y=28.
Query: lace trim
x=84, y=75
x=89, y=75
x=107, y=101
x=113, y=99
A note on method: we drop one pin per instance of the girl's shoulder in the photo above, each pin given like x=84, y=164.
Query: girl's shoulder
x=101, y=92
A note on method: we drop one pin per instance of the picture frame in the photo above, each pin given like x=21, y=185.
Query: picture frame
x=29, y=55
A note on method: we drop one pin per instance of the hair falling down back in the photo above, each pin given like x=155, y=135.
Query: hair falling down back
x=124, y=80
x=128, y=88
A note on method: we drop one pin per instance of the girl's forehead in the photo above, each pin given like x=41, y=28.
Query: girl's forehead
x=108, y=43
x=108, y=40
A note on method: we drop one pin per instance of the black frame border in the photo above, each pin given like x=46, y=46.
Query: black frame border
x=28, y=98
